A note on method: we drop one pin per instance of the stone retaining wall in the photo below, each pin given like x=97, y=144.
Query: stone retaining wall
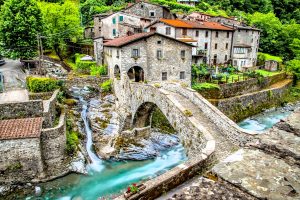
x=49, y=112
x=242, y=87
x=20, y=160
x=53, y=144
x=40, y=96
x=92, y=81
x=241, y=107
x=21, y=109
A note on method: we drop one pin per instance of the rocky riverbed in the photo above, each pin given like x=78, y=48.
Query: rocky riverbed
x=110, y=143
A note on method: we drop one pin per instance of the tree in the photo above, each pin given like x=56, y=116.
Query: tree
x=293, y=66
x=62, y=24
x=88, y=9
x=20, y=22
x=270, y=27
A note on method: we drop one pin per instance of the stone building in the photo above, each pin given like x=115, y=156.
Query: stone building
x=198, y=16
x=129, y=21
x=213, y=41
x=245, y=42
x=271, y=65
x=189, y=2
x=149, y=57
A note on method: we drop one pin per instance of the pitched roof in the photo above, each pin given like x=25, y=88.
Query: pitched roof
x=178, y=23
x=20, y=128
x=121, y=41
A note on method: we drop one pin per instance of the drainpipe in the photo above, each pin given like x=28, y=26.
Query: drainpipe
x=210, y=46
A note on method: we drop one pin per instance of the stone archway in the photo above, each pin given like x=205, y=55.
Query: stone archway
x=117, y=71
x=136, y=74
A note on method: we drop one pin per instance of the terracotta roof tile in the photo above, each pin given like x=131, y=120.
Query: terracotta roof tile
x=178, y=23
x=127, y=39
x=119, y=42
x=20, y=128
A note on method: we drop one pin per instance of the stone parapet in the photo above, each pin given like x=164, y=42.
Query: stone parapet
x=50, y=110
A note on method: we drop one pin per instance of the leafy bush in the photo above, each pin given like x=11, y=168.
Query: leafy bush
x=106, y=86
x=205, y=86
x=293, y=66
x=72, y=142
x=98, y=70
x=83, y=66
x=262, y=57
x=42, y=84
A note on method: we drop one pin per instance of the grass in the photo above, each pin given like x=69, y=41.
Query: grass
x=204, y=86
x=266, y=73
x=70, y=62
x=53, y=55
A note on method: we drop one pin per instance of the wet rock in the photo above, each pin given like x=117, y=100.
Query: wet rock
x=37, y=191
x=78, y=164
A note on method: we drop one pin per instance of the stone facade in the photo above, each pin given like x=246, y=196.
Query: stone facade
x=21, y=160
x=92, y=81
x=176, y=67
x=149, y=10
x=271, y=65
x=98, y=50
x=213, y=46
x=189, y=2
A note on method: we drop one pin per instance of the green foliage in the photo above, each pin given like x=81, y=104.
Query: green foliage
x=205, y=86
x=262, y=57
x=98, y=70
x=83, y=66
x=160, y=121
x=15, y=166
x=62, y=22
x=293, y=66
x=72, y=142
x=20, y=22
x=106, y=86
x=265, y=73
x=41, y=84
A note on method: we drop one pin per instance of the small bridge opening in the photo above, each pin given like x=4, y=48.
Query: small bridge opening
x=148, y=114
x=117, y=71
x=136, y=73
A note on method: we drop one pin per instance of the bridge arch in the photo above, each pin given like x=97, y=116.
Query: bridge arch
x=136, y=73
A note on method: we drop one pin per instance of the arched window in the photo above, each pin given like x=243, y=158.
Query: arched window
x=117, y=72
x=136, y=74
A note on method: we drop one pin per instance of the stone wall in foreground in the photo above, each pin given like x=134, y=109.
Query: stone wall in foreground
x=20, y=160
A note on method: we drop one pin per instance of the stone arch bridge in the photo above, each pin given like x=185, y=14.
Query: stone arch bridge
x=201, y=127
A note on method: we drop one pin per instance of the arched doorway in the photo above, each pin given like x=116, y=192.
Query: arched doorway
x=117, y=72
x=136, y=74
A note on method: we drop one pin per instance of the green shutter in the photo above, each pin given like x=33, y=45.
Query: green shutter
x=121, y=18
x=114, y=20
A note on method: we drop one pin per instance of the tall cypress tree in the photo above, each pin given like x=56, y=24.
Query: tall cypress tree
x=20, y=22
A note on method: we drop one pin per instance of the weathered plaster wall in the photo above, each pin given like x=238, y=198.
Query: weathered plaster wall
x=20, y=160
x=241, y=107
x=53, y=144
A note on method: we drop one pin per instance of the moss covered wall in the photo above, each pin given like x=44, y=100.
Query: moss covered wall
x=241, y=107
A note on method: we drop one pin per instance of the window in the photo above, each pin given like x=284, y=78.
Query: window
x=135, y=53
x=246, y=31
x=182, y=54
x=121, y=18
x=197, y=33
x=168, y=30
x=152, y=13
x=182, y=75
x=159, y=42
x=164, y=76
x=99, y=28
x=239, y=30
x=142, y=6
x=152, y=29
x=217, y=34
x=159, y=54
x=226, y=45
x=206, y=34
x=205, y=45
x=228, y=34
x=252, y=32
x=118, y=53
x=184, y=31
x=216, y=46
x=114, y=32
x=114, y=20
x=225, y=57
